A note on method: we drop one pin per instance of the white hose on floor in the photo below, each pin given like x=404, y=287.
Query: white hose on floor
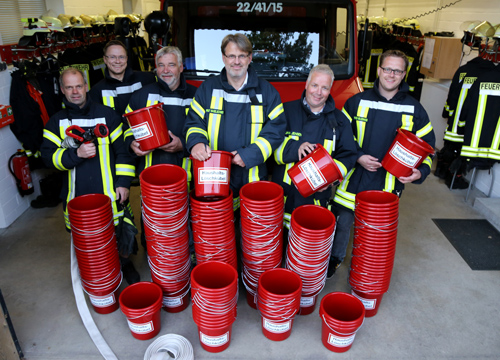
x=170, y=346
x=83, y=309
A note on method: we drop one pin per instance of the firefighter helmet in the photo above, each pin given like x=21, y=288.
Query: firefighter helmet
x=34, y=25
x=54, y=24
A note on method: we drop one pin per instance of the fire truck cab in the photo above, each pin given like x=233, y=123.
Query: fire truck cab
x=288, y=37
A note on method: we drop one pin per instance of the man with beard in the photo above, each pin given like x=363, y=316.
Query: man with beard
x=120, y=80
x=375, y=116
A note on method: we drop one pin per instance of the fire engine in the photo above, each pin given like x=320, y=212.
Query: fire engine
x=288, y=37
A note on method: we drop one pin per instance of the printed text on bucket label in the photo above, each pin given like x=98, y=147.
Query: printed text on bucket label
x=404, y=156
x=142, y=131
x=306, y=301
x=340, y=341
x=102, y=301
x=312, y=174
x=141, y=328
x=212, y=175
x=368, y=303
x=275, y=327
x=214, y=340
x=169, y=302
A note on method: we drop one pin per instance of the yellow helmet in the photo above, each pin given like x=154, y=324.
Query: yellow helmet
x=34, y=25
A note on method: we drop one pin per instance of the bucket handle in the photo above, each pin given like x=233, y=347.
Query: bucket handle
x=326, y=323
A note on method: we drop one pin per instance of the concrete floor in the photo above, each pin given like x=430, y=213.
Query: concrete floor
x=436, y=308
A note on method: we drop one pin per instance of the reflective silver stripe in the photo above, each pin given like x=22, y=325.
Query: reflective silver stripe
x=380, y=105
x=174, y=101
x=122, y=90
x=65, y=123
x=235, y=98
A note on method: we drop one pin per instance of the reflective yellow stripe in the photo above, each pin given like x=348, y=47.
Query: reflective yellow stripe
x=214, y=119
x=52, y=137
x=407, y=122
x=57, y=159
x=108, y=101
x=186, y=165
x=425, y=130
x=194, y=130
x=286, y=177
x=264, y=146
x=390, y=182
x=277, y=111
x=116, y=133
x=125, y=170
x=197, y=108
x=328, y=145
x=236, y=203
x=361, y=125
x=148, y=160
x=128, y=133
x=317, y=202
x=342, y=168
x=278, y=153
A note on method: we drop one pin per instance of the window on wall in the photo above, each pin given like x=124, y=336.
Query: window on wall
x=11, y=13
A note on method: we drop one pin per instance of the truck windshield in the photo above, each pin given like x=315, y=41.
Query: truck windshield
x=288, y=37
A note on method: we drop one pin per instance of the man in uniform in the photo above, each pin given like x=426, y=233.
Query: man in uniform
x=375, y=115
x=238, y=112
x=105, y=168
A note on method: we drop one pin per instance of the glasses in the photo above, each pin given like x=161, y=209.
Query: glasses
x=387, y=70
x=113, y=57
x=233, y=57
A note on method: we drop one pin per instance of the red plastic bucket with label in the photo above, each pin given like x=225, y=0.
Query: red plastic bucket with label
x=371, y=301
x=215, y=340
x=342, y=315
x=407, y=152
x=211, y=177
x=314, y=172
x=141, y=303
x=149, y=126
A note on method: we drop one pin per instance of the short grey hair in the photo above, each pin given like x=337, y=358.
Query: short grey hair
x=321, y=68
x=71, y=70
x=169, y=50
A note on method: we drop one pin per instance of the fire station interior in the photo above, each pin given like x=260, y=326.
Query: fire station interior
x=442, y=301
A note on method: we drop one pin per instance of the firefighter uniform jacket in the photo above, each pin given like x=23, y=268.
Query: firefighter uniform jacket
x=462, y=81
x=481, y=114
x=330, y=128
x=175, y=105
x=112, y=166
x=115, y=93
x=374, y=123
x=250, y=121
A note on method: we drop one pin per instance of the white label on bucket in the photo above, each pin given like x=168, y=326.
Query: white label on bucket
x=99, y=301
x=312, y=174
x=214, y=340
x=340, y=341
x=141, y=131
x=141, y=328
x=404, y=156
x=171, y=302
x=213, y=175
x=368, y=303
x=277, y=327
x=306, y=301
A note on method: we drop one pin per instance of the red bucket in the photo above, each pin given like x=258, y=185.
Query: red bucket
x=314, y=172
x=211, y=177
x=407, y=152
x=149, y=126
x=371, y=301
x=215, y=340
x=342, y=315
x=141, y=304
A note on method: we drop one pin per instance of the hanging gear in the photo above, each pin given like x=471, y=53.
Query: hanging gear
x=19, y=168
x=74, y=141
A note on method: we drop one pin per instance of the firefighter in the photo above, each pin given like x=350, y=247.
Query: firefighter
x=104, y=169
x=172, y=90
x=375, y=116
x=313, y=119
x=238, y=112
x=120, y=80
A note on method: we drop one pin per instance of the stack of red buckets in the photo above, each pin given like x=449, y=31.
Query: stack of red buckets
x=215, y=297
x=374, y=246
x=212, y=221
x=165, y=214
x=94, y=240
x=262, y=210
x=310, y=242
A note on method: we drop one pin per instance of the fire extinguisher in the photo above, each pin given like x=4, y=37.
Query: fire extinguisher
x=20, y=169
